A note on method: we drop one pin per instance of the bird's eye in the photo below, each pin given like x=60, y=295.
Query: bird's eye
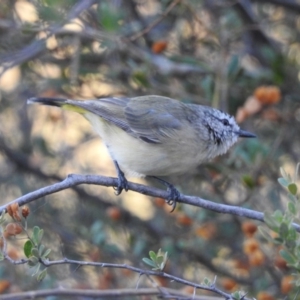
x=225, y=122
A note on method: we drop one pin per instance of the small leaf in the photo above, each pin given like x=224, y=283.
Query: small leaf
x=35, y=235
x=153, y=255
x=271, y=221
x=248, y=181
x=292, y=234
x=149, y=262
x=292, y=187
x=283, y=173
x=292, y=208
x=42, y=275
x=233, y=67
x=32, y=261
x=290, y=244
x=283, y=230
x=27, y=248
x=41, y=249
x=35, y=252
x=1, y=256
x=37, y=269
x=287, y=257
x=206, y=281
x=40, y=235
x=265, y=234
x=46, y=253
x=283, y=182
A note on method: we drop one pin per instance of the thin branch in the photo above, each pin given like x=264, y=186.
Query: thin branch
x=76, y=179
x=37, y=46
x=211, y=287
x=155, y=22
x=104, y=293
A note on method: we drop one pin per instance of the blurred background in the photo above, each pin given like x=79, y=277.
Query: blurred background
x=239, y=56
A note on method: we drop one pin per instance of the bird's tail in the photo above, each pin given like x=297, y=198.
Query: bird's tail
x=58, y=102
x=48, y=101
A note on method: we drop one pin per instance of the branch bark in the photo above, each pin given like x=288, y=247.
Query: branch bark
x=76, y=179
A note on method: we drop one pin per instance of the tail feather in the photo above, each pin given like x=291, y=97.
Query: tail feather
x=48, y=101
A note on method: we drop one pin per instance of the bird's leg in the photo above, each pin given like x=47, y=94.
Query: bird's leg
x=122, y=181
x=174, y=194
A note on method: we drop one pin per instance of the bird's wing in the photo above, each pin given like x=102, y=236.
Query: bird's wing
x=150, y=118
x=154, y=118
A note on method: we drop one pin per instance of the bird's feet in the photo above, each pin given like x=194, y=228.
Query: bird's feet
x=174, y=194
x=122, y=181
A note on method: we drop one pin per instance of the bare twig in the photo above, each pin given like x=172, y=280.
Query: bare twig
x=210, y=287
x=155, y=22
x=76, y=179
x=36, y=47
x=103, y=293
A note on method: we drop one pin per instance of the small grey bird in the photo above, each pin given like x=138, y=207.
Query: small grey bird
x=155, y=135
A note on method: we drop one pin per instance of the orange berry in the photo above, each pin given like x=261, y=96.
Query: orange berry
x=159, y=202
x=4, y=285
x=267, y=94
x=25, y=211
x=256, y=258
x=114, y=213
x=249, y=228
x=184, y=220
x=12, y=229
x=287, y=284
x=159, y=46
x=228, y=284
x=13, y=211
x=264, y=296
x=250, y=246
x=280, y=262
x=206, y=231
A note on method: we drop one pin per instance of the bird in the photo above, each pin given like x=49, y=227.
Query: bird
x=154, y=135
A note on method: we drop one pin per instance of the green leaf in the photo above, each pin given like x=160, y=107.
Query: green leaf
x=46, y=253
x=248, y=181
x=292, y=234
x=292, y=208
x=35, y=235
x=33, y=261
x=278, y=215
x=292, y=187
x=109, y=16
x=42, y=275
x=288, y=257
x=206, y=281
x=37, y=269
x=41, y=249
x=271, y=221
x=283, y=182
x=27, y=248
x=290, y=244
x=40, y=235
x=35, y=252
x=233, y=66
x=283, y=230
x=149, y=262
x=265, y=234
x=1, y=256
x=152, y=255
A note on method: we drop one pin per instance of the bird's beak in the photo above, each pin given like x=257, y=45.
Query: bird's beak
x=245, y=134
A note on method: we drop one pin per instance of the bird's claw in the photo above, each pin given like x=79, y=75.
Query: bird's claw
x=122, y=181
x=173, y=196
